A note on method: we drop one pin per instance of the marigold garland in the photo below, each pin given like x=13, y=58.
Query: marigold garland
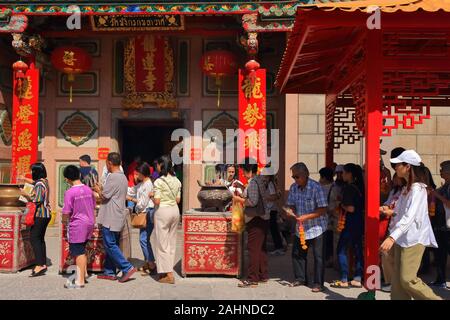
x=432, y=207
x=341, y=221
x=301, y=232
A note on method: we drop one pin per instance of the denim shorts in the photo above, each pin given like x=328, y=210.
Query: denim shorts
x=77, y=249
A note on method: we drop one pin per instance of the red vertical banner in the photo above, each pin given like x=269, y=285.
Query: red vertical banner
x=252, y=140
x=24, y=124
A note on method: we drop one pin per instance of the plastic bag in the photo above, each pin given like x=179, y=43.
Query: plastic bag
x=237, y=218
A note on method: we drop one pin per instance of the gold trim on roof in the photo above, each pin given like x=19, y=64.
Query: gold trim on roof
x=384, y=5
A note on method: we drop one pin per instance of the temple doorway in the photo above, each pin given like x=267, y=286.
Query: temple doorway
x=148, y=139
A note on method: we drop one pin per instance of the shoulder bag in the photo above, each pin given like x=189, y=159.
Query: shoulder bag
x=139, y=220
x=30, y=210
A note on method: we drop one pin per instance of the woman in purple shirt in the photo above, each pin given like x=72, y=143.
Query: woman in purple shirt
x=79, y=205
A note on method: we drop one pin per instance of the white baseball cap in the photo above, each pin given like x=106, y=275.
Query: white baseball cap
x=408, y=156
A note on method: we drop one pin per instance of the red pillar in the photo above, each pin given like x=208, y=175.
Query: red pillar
x=373, y=129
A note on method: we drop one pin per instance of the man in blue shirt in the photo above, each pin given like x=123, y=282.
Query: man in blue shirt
x=307, y=204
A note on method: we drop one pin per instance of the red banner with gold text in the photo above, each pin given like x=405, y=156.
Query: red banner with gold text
x=25, y=124
x=252, y=117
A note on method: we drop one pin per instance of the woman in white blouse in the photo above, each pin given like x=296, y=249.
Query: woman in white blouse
x=412, y=231
x=140, y=195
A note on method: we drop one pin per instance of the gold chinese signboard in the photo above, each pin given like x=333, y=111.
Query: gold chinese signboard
x=137, y=22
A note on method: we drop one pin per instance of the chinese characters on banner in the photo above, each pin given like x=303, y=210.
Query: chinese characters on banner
x=252, y=117
x=25, y=124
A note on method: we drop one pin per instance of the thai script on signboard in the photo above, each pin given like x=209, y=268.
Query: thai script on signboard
x=137, y=22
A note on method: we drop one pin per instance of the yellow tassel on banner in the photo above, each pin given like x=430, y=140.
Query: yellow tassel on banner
x=71, y=79
x=218, y=84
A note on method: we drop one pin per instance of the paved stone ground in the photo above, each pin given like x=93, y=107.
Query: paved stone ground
x=50, y=286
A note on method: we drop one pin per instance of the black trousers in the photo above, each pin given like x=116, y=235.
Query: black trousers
x=257, y=252
x=329, y=244
x=441, y=253
x=299, y=261
x=37, y=239
x=275, y=231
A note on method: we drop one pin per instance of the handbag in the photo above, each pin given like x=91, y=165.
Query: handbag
x=139, y=220
x=257, y=210
x=31, y=207
x=30, y=211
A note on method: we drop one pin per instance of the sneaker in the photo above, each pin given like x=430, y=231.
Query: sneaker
x=277, y=252
x=386, y=288
x=127, y=275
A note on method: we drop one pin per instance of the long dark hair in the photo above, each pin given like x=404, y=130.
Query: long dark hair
x=416, y=175
x=428, y=177
x=166, y=165
x=38, y=171
x=396, y=189
x=144, y=169
x=357, y=175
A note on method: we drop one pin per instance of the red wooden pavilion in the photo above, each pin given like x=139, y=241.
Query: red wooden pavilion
x=385, y=66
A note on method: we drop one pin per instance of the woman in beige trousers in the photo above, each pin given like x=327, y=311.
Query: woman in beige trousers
x=166, y=197
x=412, y=231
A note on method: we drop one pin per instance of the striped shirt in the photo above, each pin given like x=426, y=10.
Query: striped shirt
x=308, y=200
x=40, y=196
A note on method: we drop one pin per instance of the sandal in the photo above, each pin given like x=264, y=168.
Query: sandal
x=317, y=288
x=339, y=284
x=297, y=284
x=248, y=284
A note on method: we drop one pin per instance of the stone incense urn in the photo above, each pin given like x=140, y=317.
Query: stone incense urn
x=9, y=196
x=214, y=197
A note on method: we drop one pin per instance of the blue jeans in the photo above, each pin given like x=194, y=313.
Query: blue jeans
x=349, y=238
x=114, y=257
x=130, y=205
x=144, y=237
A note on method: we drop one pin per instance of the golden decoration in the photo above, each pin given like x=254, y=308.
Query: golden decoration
x=24, y=91
x=25, y=113
x=136, y=100
x=252, y=141
x=24, y=140
x=147, y=61
x=23, y=165
x=252, y=90
x=69, y=58
x=252, y=115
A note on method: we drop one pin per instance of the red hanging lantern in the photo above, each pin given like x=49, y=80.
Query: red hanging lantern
x=252, y=66
x=19, y=68
x=218, y=64
x=71, y=60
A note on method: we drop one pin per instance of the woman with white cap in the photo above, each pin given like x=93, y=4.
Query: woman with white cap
x=412, y=231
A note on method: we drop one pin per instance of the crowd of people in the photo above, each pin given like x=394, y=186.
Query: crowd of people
x=326, y=216
x=155, y=191
x=329, y=218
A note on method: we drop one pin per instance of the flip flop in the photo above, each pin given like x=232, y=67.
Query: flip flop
x=339, y=284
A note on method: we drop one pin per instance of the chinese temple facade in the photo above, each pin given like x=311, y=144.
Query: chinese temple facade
x=336, y=83
x=142, y=78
